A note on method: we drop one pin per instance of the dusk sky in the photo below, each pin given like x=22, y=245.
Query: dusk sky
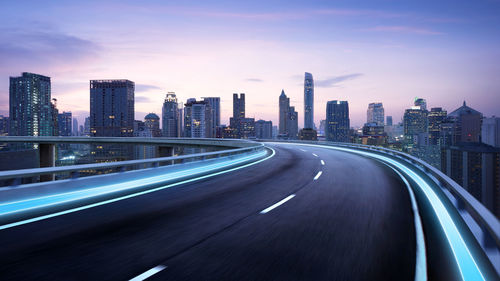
x=362, y=52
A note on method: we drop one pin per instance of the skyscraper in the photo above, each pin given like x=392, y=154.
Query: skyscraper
x=490, y=131
x=214, y=104
x=75, y=127
x=466, y=124
x=337, y=121
x=111, y=108
x=293, y=123
x=30, y=108
x=415, y=123
x=375, y=113
x=243, y=127
x=170, y=116
x=436, y=117
x=284, y=106
x=238, y=106
x=4, y=125
x=388, y=121
x=308, y=101
x=264, y=129
x=152, y=123
x=64, y=124
x=422, y=103
x=196, y=119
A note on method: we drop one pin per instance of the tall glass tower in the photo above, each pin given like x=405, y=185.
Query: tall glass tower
x=337, y=121
x=30, y=107
x=308, y=101
x=170, y=116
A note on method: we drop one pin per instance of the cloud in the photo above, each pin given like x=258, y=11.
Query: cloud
x=145, y=87
x=32, y=48
x=254, y=80
x=141, y=99
x=332, y=82
x=403, y=29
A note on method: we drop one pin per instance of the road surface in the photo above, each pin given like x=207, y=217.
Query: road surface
x=308, y=213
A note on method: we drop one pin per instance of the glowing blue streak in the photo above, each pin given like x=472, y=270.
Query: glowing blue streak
x=134, y=194
x=468, y=267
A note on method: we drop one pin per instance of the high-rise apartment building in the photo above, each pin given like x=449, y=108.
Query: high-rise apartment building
x=308, y=101
x=111, y=108
x=490, y=131
x=30, y=107
x=337, y=121
x=375, y=113
x=170, y=116
x=64, y=123
x=152, y=123
x=214, y=104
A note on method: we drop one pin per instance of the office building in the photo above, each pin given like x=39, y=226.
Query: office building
x=4, y=125
x=476, y=167
x=288, y=118
x=490, y=131
x=64, y=123
x=415, y=122
x=152, y=123
x=264, y=129
x=308, y=101
x=244, y=128
x=197, y=122
x=214, y=104
x=373, y=134
x=30, y=107
x=308, y=134
x=111, y=108
x=170, y=116
x=436, y=117
x=337, y=121
x=466, y=125
x=375, y=113
x=75, y=127
x=388, y=121
x=422, y=103
x=238, y=106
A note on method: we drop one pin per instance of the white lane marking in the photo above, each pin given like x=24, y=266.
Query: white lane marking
x=149, y=273
x=318, y=175
x=267, y=210
x=322, y=162
x=315, y=155
x=302, y=149
x=421, y=262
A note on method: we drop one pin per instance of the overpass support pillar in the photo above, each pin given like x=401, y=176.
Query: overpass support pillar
x=47, y=155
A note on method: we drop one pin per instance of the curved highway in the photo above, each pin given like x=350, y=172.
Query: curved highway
x=308, y=213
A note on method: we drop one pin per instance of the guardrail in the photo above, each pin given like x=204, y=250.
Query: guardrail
x=14, y=177
x=489, y=237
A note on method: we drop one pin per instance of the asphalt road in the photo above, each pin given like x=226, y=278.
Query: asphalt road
x=346, y=217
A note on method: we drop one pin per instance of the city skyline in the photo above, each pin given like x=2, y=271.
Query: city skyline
x=389, y=54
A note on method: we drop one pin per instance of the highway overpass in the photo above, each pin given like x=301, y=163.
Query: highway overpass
x=283, y=211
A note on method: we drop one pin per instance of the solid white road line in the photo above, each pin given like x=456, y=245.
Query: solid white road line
x=267, y=210
x=149, y=273
x=318, y=175
x=315, y=155
x=322, y=162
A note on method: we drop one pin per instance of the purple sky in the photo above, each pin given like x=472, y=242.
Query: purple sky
x=381, y=51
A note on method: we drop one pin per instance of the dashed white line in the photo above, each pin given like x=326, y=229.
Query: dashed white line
x=302, y=149
x=318, y=175
x=315, y=155
x=322, y=162
x=267, y=210
x=149, y=273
